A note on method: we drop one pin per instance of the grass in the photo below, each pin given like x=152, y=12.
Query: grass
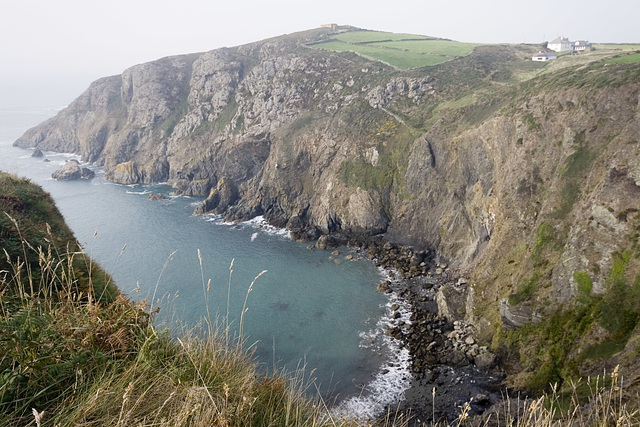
x=633, y=58
x=30, y=220
x=618, y=46
x=597, y=401
x=525, y=290
x=572, y=173
x=446, y=48
x=394, y=57
x=376, y=36
x=584, y=286
x=400, y=50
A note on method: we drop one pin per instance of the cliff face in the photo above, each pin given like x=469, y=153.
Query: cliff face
x=521, y=182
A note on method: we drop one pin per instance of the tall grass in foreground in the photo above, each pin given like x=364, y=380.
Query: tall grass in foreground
x=68, y=358
x=599, y=401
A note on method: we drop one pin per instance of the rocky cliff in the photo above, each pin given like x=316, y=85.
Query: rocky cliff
x=525, y=178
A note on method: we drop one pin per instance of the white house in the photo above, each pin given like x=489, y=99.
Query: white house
x=544, y=56
x=561, y=44
x=581, y=46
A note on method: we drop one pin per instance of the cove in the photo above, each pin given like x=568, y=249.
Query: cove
x=310, y=309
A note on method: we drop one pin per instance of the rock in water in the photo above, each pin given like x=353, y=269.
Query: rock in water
x=220, y=198
x=71, y=170
x=37, y=153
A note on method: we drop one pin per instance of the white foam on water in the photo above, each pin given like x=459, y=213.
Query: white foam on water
x=254, y=236
x=143, y=192
x=393, y=378
x=215, y=218
x=263, y=225
x=61, y=158
x=258, y=222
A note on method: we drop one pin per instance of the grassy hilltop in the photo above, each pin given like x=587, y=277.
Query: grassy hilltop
x=399, y=50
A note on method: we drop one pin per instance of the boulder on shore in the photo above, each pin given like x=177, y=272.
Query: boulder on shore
x=71, y=170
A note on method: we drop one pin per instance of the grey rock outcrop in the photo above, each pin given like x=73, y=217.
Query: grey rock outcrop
x=514, y=316
x=72, y=170
x=219, y=199
x=452, y=302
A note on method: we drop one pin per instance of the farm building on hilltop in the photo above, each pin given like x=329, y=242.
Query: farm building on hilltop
x=332, y=26
x=544, y=56
x=561, y=44
x=581, y=46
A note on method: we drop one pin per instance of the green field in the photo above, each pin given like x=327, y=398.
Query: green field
x=627, y=59
x=400, y=50
x=618, y=46
x=433, y=47
x=376, y=36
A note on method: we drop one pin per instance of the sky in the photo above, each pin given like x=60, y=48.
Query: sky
x=48, y=40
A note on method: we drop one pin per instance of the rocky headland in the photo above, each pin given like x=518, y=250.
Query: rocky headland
x=515, y=184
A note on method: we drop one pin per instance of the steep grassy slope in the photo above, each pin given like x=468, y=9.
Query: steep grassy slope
x=32, y=230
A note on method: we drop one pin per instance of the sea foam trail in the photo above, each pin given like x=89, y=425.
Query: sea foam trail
x=262, y=224
x=393, y=377
x=258, y=222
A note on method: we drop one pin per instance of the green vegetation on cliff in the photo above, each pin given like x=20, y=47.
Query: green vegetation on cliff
x=577, y=275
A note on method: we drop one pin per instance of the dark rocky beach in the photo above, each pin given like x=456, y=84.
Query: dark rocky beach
x=449, y=368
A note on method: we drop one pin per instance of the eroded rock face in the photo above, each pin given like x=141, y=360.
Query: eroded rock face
x=72, y=170
x=219, y=199
x=267, y=118
x=514, y=316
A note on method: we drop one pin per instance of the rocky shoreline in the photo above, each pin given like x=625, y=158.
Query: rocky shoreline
x=448, y=366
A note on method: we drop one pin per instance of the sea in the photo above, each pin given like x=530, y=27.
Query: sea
x=313, y=314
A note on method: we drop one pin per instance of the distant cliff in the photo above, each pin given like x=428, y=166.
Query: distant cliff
x=525, y=178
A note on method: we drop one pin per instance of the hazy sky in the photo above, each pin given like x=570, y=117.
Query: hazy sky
x=90, y=39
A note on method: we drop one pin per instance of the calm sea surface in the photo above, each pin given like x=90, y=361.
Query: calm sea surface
x=309, y=309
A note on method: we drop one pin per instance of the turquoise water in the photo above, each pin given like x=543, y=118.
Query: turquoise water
x=309, y=309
